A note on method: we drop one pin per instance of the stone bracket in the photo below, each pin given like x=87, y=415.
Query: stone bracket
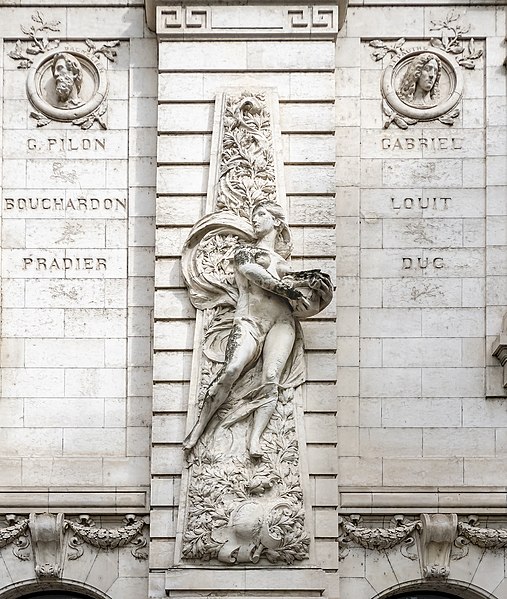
x=438, y=533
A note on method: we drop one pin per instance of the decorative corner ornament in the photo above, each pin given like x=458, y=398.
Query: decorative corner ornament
x=425, y=83
x=65, y=83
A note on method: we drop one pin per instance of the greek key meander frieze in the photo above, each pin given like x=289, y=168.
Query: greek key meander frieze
x=66, y=82
x=425, y=83
x=219, y=21
x=433, y=539
x=43, y=538
x=244, y=490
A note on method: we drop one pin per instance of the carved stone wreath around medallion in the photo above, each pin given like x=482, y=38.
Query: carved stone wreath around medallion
x=41, y=86
x=448, y=86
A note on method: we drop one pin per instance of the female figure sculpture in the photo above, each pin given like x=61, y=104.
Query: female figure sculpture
x=264, y=326
x=419, y=86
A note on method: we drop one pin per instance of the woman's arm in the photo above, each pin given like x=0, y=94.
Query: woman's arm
x=247, y=265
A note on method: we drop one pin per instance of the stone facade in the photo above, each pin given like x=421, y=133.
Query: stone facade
x=385, y=151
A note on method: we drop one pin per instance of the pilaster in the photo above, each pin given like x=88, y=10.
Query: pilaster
x=203, y=48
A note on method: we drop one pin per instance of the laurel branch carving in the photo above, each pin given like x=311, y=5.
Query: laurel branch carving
x=377, y=538
x=487, y=538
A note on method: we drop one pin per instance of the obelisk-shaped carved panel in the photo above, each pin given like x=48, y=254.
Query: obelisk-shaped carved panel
x=243, y=498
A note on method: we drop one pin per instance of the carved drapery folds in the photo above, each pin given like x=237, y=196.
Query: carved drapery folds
x=49, y=535
x=243, y=493
x=439, y=538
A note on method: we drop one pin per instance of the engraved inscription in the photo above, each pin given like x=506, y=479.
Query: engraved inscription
x=61, y=144
x=420, y=143
x=422, y=263
x=83, y=204
x=54, y=264
x=420, y=202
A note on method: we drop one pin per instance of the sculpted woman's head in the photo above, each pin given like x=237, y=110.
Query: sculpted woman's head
x=419, y=86
x=267, y=215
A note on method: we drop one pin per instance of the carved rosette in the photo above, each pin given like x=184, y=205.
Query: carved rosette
x=239, y=508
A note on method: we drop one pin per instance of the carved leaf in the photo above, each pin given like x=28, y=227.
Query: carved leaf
x=42, y=120
x=90, y=44
x=399, y=43
x=456, y=49
x=53, y=25
x=446, y=120
x=467, y=64
x=26, y=30
x=109, y=54
x=53, y=45
x=401, y=122
x=38, y=17
x=17, y=52
x=111, y=44
x=436, y=42
x=377, y=44
x=379, y=54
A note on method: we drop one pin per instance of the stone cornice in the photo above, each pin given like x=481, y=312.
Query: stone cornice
x=245, y=19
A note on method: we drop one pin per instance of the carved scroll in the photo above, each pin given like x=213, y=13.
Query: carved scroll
x=243, y=495
x=47, y=540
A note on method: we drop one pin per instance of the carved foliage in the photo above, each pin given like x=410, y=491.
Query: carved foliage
x=377, y=538
x=107, y=538
x=408, y=100
x=488, y=538
x=38, y=54
x=240, y=511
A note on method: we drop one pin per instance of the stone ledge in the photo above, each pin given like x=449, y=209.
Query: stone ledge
x=462, y=500
x=260, y=582
x=73, y=500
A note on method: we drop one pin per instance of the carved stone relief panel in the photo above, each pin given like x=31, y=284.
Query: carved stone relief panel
x=425, y=82
x=243, y=497
x=50, y=541
x=65, y=82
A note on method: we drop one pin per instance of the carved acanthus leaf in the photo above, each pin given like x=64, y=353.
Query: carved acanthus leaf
x=377, y=538
x=488, y=538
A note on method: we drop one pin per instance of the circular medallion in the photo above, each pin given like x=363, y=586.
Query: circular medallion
x=66, y=84
x=422, y=84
